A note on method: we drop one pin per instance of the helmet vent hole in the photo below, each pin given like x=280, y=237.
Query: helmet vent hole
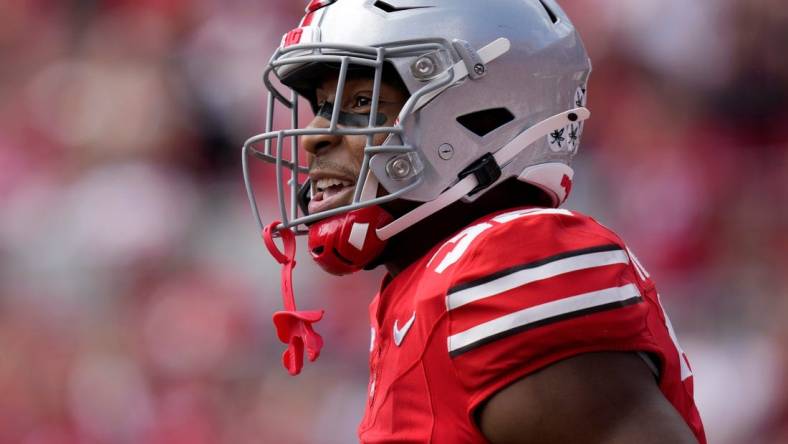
x=383, y=6
x=486, y=121
x=318, y=250
x=550, y=12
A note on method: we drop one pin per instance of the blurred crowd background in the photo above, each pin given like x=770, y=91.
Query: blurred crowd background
x=135, y=294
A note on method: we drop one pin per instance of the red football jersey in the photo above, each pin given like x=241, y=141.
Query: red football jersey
x=512, y=293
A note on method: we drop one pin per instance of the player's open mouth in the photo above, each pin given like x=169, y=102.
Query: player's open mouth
x=330, y=193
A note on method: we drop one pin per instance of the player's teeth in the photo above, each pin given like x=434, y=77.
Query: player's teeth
x=322, y=184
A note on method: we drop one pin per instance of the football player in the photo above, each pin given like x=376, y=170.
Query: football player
x=439, y=147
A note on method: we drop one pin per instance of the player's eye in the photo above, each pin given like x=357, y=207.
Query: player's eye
x=361, y=103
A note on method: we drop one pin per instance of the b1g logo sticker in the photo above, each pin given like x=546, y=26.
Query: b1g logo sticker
x=568, y=138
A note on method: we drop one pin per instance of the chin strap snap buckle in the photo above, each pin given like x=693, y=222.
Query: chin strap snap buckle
x=486, y=171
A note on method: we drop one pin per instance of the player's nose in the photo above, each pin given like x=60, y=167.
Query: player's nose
x=315, y=143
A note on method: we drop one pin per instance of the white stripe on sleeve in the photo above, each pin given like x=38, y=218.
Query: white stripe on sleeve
x=529, y=275
x=538, y=314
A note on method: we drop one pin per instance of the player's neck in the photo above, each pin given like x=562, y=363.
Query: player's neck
x=410, y=245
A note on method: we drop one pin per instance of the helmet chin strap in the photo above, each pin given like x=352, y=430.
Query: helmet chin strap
x=502, y=157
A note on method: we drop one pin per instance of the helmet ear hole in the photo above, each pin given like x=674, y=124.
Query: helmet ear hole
x=317, y=251
x=550, y=12
x=486, y=121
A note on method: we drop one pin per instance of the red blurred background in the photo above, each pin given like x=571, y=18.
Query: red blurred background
x=135, y=295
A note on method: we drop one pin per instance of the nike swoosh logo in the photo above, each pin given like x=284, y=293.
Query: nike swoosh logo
x=399, y=335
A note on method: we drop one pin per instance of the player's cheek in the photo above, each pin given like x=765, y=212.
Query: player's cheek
x=379, y=138
x=356, y=145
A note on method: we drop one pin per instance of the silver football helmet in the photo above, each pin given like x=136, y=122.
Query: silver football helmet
x=497, y=90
